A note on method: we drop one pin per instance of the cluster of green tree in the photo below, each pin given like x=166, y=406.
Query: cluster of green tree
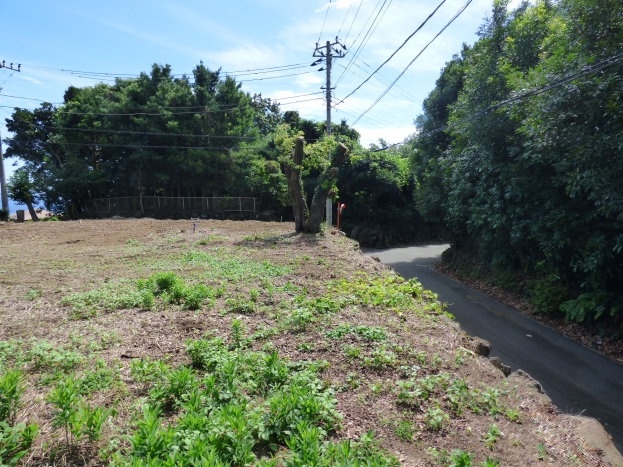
x=196, y=136
x=155, y=135
x=534, y=186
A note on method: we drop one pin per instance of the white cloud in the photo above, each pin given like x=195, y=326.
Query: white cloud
x=28, y=78
x=391, y=135
x=338, y=4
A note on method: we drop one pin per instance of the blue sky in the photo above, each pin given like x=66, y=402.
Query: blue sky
x=127, y=37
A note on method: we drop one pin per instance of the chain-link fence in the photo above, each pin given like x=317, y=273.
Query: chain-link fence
x=172, y=207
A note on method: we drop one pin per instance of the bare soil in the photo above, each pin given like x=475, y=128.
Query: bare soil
x=56, y=259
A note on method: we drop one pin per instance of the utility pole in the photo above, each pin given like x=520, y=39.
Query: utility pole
x=329, y=53
x=3, y=191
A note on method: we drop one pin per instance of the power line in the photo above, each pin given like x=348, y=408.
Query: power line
x=345, y=16
x=380, y=76
x=325, y=20
x=162, y=146
x=353, y=22
x=170, y=106
x=108, y=76
x=379, y=85
x=535, y=92
x=461, y=10
x=396, y=51
x=130, y=75
x=364, y=37
x=160, y=113
x=186, y=135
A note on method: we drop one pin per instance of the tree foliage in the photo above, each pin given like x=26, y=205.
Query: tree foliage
x=537, y=185
x=124, y=140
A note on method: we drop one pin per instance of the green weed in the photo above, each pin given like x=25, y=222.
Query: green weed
x=436, y=419
x=460, y=458
x=12, y=386
x=34, y=294
x=493, y=433
x=300, y=319
x=512, y=414
x=488, y=462
x=212, y=239
x=305, y=347
x=15, y=441
x=369, y=333
x=405, y=430
x=49, y=358
x=351, y=351
x=381, y=358
x=240, y=305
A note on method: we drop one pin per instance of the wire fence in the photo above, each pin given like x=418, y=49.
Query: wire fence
x=171, y=207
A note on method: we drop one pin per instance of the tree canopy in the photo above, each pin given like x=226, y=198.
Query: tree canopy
x=535, y=185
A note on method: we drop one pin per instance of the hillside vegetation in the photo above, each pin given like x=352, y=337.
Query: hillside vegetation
x=526, y=177
x=150, y=343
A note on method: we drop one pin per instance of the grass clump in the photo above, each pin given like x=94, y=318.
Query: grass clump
x=234, y=268
x=368, y=333
x=168, y=287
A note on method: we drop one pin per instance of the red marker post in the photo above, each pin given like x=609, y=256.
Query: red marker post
x=339, y=211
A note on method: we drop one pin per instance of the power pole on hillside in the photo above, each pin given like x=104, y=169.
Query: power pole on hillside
x=3, y=191
x=327, y=53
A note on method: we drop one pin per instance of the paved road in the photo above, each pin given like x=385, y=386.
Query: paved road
x=576, y=378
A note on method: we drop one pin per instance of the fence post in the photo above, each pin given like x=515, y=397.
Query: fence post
x=240, y=204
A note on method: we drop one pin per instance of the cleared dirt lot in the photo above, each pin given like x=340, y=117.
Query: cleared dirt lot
x=79, y=299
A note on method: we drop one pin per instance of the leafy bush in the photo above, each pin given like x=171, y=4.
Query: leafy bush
x=12, y=386
x=15, y=441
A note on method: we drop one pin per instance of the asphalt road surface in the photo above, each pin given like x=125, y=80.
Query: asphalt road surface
x=576, y=378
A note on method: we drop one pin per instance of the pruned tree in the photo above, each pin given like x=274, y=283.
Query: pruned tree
x=308, y=219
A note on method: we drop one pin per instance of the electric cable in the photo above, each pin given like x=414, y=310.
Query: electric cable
x=325, y=20
x=345, y=16
x=461, y=10
x=396, y=51
x=353, y=21
x=160, y=113
x=175, y=107
x=359, y=47
x=535, y=92
x=160, y=146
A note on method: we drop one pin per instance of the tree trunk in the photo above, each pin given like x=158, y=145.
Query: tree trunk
x=325, y=183
x=33, y=213
x=292, y=171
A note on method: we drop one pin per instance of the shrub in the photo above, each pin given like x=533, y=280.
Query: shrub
x=15, y=441
x=12, y=386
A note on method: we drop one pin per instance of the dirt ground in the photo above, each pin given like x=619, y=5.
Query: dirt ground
x=44, y=262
